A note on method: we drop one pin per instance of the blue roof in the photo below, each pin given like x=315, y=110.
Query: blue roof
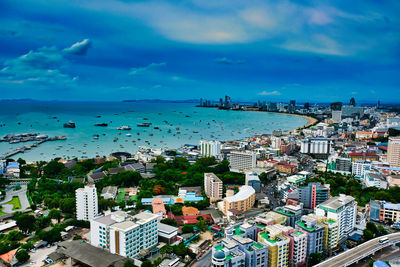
x=381, y=264
x=13, y=165
x=193, y=198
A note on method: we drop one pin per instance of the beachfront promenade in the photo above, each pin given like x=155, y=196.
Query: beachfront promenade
x=358, y=253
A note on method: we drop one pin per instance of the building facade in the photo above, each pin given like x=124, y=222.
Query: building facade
x=213, y=187
x=123, y=234
x=393, y=152
x=319, y=147
x=86, y=203
x=242, y=201
x=313, y=194
x=242, y=160
x=343, y=209
x=210, y=148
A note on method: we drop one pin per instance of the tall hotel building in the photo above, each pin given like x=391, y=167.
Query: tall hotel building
x=213, y=187
x=123, y=234
x=242, y=160
x=393, y=152
x=86, y=203
x=343, y=209
x=210, y=148
x=319, y=147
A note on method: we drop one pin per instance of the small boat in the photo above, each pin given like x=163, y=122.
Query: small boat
x=128, y=134
x=124, y=127
x=98, y=116
x=145, y=119
x=96, y=136
x=101, y=124
x=70, y=124
x=195, y=131
x=156, y=128
x=145, y=124
x=150, y=134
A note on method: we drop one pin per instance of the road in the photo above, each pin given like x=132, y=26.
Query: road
x=8, y=208
x=348, y=256
x=205, y=260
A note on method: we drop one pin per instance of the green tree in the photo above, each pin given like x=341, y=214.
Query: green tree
x=169, y=221
x=315, y=258
x=129, y=263
x=145, y=263
x=22, y=255
x=187, y=228
x=53, y=168
x=26, y=223
x=55, y=214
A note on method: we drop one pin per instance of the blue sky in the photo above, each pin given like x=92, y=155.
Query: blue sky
x=268, y=50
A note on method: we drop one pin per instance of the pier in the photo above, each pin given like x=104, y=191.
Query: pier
x=22, y=149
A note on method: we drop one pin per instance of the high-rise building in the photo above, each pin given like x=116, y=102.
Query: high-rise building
x=297, y=247
x=210, y=148
x=213, y=187
x=343, y=209
x=228, y=102
x=352, y=102
x=86, y=203
x=319, y=147
x=393, y=154
x=123, y=234
x=313, y=194
x=331, y=234
x=242, y=160
x=336, y=116
x=278, y=245
x=292, y=213
x=315, y=231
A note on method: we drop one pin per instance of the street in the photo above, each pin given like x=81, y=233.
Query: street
x=205, y=260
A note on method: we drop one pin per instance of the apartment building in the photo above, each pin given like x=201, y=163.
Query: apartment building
x=123, y=234
x=292, y=213
x=278, y=245
x=297, y=247
x=359, y=167
x=343, y=209
x=393, y=152
x=86, y=203
x=318, y=147
x=210, y=148
x=382, y=211
x=313, y=194
x=213, y=187
x=242, y=201
x=315, y=234
x=376, y=179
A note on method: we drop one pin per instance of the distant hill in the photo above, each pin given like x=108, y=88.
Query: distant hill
x=161, y=101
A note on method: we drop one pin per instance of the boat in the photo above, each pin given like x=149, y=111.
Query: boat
x=96, y=136
x=98, y=116
x=70, y=124
x=128, y=134
x=195, y=131
x=150, y=134
x=145, y=124
x=124, y=127
x=101, y=124
x=156, y=128
x=145, y=119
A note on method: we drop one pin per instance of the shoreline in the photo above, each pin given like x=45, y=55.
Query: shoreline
x=310, y=120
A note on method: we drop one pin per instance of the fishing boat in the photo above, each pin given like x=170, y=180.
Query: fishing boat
x=124, y=127
x=101, y=124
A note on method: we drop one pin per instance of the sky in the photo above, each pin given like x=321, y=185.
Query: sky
x=311, y=51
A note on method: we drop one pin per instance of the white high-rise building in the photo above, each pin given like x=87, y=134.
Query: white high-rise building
x=210, y=148
x=342, y=209
x=242, y=160
x=337, y=116
x=359, y=167
x=86, y=203
x=316, y=146
x=123, y=234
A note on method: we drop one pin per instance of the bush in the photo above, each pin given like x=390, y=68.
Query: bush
x=22, y=255
x=187, y=228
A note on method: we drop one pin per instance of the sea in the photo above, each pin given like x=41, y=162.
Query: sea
x=178, y=124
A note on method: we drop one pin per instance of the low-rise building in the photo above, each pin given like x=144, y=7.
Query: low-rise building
x=242, y=201
x=382, y=211
x=372, y=178
x=167, y=233
x=109, y=192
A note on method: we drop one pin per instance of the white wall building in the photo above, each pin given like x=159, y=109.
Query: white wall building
x=213, y=186
x=86, y=203
x=343, y=209
x=376, y=179
x=359, y=167
x=241, y=160
x=123, y=234
x=316, y=146
x=210, y=148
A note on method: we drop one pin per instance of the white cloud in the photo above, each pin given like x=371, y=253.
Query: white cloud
x=228, y=61
x=140, y=70
x=269, y=93
x=79, y=48
x=42, y=66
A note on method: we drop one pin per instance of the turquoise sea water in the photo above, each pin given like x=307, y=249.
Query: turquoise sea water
x=210, y=123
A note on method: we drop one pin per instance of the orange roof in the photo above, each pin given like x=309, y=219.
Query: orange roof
x=190, y=211
x=7, y=257
x=179, y=200
x=364, y=132
x=158, y=206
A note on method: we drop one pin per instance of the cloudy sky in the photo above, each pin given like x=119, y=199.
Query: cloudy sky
x=271, y=50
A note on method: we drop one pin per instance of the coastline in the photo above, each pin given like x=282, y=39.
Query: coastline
x=310, y=120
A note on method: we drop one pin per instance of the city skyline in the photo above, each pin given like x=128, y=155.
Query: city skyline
x=306, y=51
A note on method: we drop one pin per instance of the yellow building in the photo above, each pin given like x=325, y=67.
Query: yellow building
x=331, y=233
x=242, y=201
x=278, y=245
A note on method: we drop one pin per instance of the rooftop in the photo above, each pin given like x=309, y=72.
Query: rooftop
x=245, y=192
